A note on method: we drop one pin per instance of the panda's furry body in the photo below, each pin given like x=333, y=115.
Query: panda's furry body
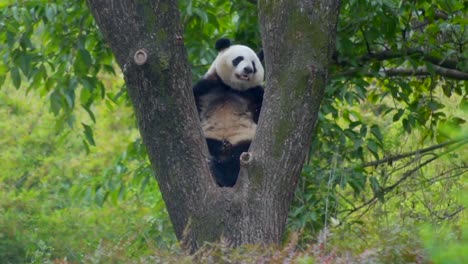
x=229, y=98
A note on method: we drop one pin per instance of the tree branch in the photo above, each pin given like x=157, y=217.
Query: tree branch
x=411, y=52
x=384, y=191
x=393, y=158
x=449, y=215
x=395, y=54
x=418, y=72
x=403, y=178
x=453, y=173
x=407, y=174
x=424, y=71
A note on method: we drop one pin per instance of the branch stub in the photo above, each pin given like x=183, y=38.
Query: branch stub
x=246, y=158
x=141, y=56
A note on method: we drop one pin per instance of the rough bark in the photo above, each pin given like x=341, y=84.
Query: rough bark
x=298, y=37
x=298, y=41
x=160, y=89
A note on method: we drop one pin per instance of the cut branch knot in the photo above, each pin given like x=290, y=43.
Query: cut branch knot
x=246, y=158
x=141, y=56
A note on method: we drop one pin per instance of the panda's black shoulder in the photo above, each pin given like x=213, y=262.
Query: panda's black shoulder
x=206, y=85
x=255, y=92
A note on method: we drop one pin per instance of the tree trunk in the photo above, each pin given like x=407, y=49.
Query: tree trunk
x=298, y=39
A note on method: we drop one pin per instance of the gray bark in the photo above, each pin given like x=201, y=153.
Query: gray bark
x=298, y=37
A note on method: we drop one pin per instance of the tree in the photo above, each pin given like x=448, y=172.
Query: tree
x=147, y=40
x=398, y=65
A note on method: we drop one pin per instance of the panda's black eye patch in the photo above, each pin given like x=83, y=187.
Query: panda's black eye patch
x=237, y=60
x=254, y=68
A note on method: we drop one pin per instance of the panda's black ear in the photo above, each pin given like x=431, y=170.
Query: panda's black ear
x=260, y=55
x=222, y=43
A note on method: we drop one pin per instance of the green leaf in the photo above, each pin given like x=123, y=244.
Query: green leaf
x=374, y=183
x=404, y=96
x=82, y=63
x=90, y=112
x=86, y=145
x=375, y=130
x=357, y=143
x=376, y=189
x=88, y=131
x=354, y=124
x=25, y=64
x=25, y=42
x=458, y=120
x=373, y=148
x=38, y=78
x=363, y=131
x=447, y=89
x=398, y=115
x=434, y=105
x=51, y=12
x=88, y=83
x=357, y=181
x=406, y=125
x=108, y=69
x=15, y=77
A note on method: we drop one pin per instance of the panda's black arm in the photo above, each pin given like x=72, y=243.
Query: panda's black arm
x=255, y=96
x=203, y=87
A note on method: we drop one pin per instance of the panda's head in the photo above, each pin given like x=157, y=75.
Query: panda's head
x=238, y=66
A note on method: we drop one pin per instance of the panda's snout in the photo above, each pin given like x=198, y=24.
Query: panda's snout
x=248, y=70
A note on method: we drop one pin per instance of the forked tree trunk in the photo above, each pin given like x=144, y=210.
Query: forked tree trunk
x=298, y=39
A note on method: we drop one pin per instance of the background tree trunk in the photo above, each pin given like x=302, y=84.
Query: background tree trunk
x=147, y=40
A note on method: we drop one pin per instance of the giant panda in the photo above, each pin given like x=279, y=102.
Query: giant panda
x=228, y=99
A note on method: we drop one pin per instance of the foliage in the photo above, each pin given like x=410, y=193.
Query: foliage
x=366, y=115
x=57, y=201
x=446, y=245
x=54, y=48
x=389, y=95
x=207, y=21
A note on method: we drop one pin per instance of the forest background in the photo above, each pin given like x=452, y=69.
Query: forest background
x=385, y=181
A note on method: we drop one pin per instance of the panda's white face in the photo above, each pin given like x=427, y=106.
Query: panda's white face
x=238, y=67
